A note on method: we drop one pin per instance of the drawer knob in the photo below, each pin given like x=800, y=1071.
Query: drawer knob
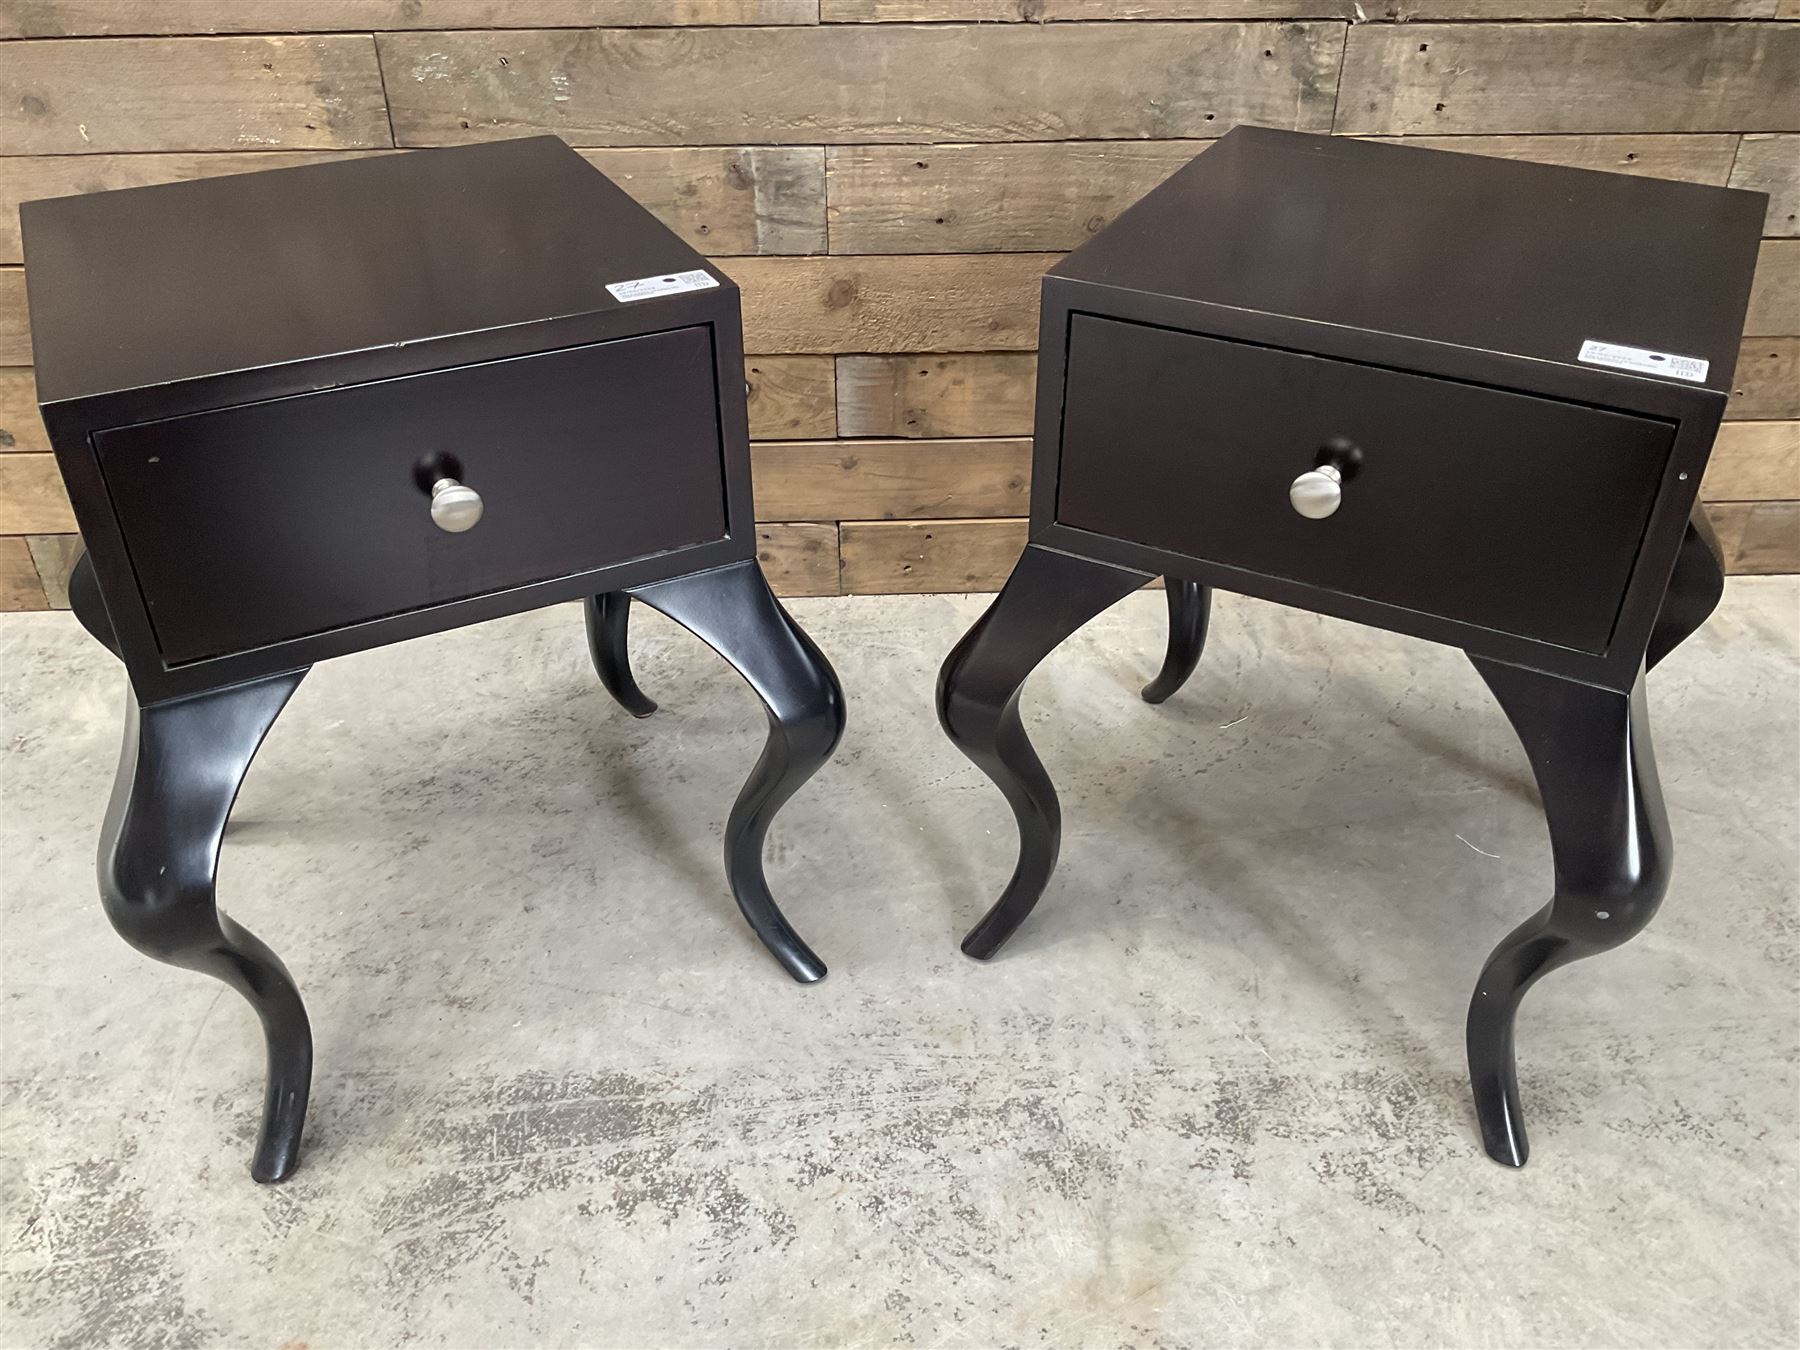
x=1318, y=492
x=454, y=506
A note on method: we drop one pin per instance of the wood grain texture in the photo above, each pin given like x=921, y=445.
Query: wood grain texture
x=1754, y=461
x=1758, y=538
x=1691, y=159
x=884, y=557
x=1443, y=79
x=15, y=319
x=857, y=82
x=982, y=198
x=753, y=199
x=722, y=199
x=32, y=500
x=119, y=18
x=983, y=394
x=1767, y=382
x=891, y=480
x=799, y=559
x=20, y=588
x=944, y=302
x=1417, y=11
x=1064, y=11
x=1775, y=297
x=97, y=95
x=21, y=428
x=791, y=397
x=1771, y=164
x=54, y=555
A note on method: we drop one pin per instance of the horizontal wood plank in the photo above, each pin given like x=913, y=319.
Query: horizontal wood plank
x=21, y=428
x=799, y=559
x=1767, y=383
x=54, y=555
x=1443, y=79
x=984, y=394
x=1754, y=461
x=15, y=319
x=1771, y=164
x=860, y=83
x=1758, y=538
x=123, y=18
x=906, y=557
x=791, y=397
x=1775, y=296
x=97, y=95
x=1063, y=11
x=32, y=500
x=753, y=199
x=944, y=302
x=990, y=198
x=891, y=480
x=20, y=588
x=721, y=199
x=987, y=198
x=1067, y=11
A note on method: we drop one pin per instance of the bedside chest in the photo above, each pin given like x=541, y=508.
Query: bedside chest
x=1456, y=397
x=305, y=412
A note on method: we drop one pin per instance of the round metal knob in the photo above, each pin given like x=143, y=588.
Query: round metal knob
x=1318, y=492
x=454, y=506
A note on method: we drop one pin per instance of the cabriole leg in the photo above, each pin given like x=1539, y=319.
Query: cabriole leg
x=159, y=853
x=1609, y=844
x=1190, y=605
x=733, y=611
x=1695, y=588
x=608, y=626
x=1048, y=597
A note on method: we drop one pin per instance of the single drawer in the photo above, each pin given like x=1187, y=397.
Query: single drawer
x=1506, y=511
x=253, y=525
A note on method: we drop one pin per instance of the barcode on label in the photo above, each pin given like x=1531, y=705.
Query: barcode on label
x=648, y=288
x=1644, y=361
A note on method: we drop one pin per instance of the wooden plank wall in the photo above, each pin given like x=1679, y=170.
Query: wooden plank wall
x=889, y=178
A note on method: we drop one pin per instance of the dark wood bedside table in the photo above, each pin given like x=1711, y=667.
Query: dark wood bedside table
x=1456, y=397
x=305, y=412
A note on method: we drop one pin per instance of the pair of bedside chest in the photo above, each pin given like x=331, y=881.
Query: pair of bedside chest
x=307, y=412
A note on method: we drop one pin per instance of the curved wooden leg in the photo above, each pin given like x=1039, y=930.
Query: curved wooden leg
x=1048, y=597
x=1609, y=843
x=89, y=609
x=1695, y=588
x=733, y=611
x=608, y=619
x=179, y=773
x=1190, y=606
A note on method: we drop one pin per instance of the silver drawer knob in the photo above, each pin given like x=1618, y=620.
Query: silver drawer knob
x=1318, y=493
x=454, y=506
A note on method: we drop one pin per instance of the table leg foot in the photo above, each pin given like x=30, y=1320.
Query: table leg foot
x=1190, y=606
x=1609, y=842
x=1695, y=588
x=179, y=773
x=1048, y=596
x=608, y=617
x=733, y=611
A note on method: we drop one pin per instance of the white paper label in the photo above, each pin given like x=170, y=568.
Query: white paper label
x=648, y=288
x=1646, y=362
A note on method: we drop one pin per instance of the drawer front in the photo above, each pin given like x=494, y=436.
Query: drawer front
x=1506, y=511
x=254, y=525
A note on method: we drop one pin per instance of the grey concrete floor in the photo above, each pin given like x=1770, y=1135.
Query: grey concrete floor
x=1212, y=1095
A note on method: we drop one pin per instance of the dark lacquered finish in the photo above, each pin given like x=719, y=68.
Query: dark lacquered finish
x=733, y=611
x=1413, y=319
x=253, y=384
x=1190, y=610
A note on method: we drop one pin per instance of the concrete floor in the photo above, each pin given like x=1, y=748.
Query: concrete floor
x=1212, y=1095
